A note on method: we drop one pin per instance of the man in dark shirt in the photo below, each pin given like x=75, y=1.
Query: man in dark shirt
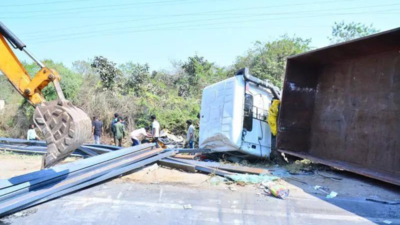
x=97, y=130
x=114, y=121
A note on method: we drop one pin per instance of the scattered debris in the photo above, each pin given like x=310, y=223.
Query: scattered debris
x=332, y=195
x=328, y=177
x=280, y=172
x=383, y=201
x=233, y=159
x=241, y=183
x=23, y=213
x=188, y=206
x=295, y=179
x=252, y=179
x=170, y=140
x=325, y=190
x=215, y=180
x=232, y=188
x=276, y=190
x=152, y=168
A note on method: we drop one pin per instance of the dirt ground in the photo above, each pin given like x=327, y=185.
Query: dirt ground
x=13, y=164
x=346, y=184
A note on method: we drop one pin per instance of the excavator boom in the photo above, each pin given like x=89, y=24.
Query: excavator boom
x=64, y=126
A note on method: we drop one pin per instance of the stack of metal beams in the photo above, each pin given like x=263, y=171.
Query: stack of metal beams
x=104, y=163
x=30, y=189
x=39, y=147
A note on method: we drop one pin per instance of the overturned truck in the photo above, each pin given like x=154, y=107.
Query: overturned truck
x=341, y=106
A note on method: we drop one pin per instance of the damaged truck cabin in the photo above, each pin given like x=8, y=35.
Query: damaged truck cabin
x=234, y=115
x=341, y=106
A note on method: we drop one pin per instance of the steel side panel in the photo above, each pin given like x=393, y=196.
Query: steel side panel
x=344, y=110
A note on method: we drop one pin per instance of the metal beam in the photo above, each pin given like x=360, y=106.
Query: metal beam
x=68, y=183
x=25, y=187
x=113, y=173
x=205, y=169
x=71, y=167
x=232, y=168
x=178, y=165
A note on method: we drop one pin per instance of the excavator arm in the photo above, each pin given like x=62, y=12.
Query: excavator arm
x=64, y=126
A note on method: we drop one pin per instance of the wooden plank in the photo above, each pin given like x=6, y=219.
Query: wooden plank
x=184, y=156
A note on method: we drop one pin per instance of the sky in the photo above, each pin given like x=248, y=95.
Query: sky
x=159, y=32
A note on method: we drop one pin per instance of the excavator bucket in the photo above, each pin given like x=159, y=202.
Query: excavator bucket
x=65, y=128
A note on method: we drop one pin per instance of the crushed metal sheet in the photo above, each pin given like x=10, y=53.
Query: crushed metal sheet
x=188, y=206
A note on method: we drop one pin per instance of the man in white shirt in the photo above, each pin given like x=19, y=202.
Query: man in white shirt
x=190, y=134
x=31, y=135
x=155, y=129
x=138, y=135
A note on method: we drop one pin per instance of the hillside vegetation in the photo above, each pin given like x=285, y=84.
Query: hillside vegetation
x=101, y=87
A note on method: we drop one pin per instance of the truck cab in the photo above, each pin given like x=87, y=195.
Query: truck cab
x=234, y=113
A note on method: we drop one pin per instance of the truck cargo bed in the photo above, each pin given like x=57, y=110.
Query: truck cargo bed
x=341, y=106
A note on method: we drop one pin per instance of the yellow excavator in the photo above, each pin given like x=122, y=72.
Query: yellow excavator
x=64, y=126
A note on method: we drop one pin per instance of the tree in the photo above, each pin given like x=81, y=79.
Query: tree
x=108, y=71
x=342, y=32
x=268, y=60
x=197, y=70
x=83, y=67
x=137, y=77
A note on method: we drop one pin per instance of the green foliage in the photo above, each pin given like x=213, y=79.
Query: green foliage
x=268, y=60
x=196, y=74
x=171, y=113
x=107, y=70
x=83, y=67
x=70, y=81
x=342, y=32
x=137, y=77
x=8, y=92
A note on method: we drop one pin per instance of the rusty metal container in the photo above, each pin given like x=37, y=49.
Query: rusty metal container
x=341, y=106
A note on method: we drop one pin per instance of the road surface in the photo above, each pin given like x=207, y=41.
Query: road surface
x=117, y=202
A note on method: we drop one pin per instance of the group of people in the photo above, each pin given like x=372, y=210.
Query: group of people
x=118, y=129
x=138, y=135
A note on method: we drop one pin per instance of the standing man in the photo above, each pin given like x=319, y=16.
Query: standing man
x=155, y=130
x=114, y=121
x=138, y=135
x=190, y=134
x=119, y=131
x=31, y=135
x=97, y=130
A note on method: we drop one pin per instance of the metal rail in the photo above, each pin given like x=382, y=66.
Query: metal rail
x=13, y=202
